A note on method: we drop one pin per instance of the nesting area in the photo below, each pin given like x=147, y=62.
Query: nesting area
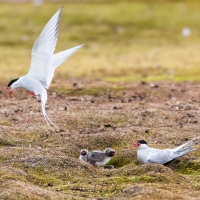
x=37, y=163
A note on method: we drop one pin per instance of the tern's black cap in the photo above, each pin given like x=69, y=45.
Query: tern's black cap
x=141, y=142
x=11, y=82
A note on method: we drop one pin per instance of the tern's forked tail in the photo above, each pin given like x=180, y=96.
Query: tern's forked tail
x=48, y=121
x=185, y=148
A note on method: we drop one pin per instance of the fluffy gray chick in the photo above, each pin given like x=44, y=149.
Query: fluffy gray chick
x=100, y=158
x=83, y=155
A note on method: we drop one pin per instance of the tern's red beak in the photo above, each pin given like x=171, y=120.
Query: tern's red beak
x=6, y=89
x=136, y=145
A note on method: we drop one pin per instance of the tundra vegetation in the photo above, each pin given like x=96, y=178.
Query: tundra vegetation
x=135, y=78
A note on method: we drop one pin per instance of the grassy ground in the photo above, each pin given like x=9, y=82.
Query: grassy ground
x=124, y=41
x=40, y=164
x=98, y=100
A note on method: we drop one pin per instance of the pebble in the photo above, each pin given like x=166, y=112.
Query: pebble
x=154, y=85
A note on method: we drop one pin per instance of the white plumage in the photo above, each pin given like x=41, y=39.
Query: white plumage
x=145, y=154
x=44, y=63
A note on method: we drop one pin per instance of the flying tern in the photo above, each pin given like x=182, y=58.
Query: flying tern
x=146, y=154
x=43, y=64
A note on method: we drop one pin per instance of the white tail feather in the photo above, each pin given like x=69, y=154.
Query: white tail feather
x=48, y=121
x=52, y=122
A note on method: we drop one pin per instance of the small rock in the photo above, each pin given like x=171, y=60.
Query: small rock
x=118, y=130
x=92, y=100
x=130, y=100
x=124, y=101
x=14, y=103
x=16, y=110
x=5, y=112
x=154, y=85
x=110, y=97
x=109, y=167
x=108, y=125
x=16, y=118
x=75, y=84
x=74, y=99
x=63, y=108
x=143, y=83
x=188, y=107
x=50, y=184
x=31, y=113
x=189, y=115
x=54, y=94
x=117, y=108
x=146, y=131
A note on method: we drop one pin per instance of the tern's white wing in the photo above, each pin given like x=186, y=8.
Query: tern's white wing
x=184, y=148
x=186, y=145
x=42, y=51
x=158, y=156
x=60, y=57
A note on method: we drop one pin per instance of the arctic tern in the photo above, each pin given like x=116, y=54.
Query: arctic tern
x=145, y=154
x=43, y=64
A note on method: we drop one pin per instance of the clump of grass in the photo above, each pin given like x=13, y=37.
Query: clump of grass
x=189, y=168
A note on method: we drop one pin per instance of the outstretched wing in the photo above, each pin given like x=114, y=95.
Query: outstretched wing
x=60, y=57
x=42, y=51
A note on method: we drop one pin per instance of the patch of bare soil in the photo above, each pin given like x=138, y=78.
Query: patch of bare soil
x=38, y=163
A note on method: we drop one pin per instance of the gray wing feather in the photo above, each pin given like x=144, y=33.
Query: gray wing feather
x=42, y=51
x=46, y=42
x=159, y=156
x=60, y=57
x=183, y=149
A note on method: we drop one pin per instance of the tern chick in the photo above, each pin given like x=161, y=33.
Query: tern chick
x=146, y=154
x=83, y=155
x=100, y=158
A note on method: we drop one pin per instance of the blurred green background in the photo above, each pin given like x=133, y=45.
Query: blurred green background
x=124, y=40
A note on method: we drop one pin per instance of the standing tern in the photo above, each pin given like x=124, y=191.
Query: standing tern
x=145, y=154
x=43, y=64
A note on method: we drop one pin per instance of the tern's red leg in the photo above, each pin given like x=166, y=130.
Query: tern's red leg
x=10, y=93
x=32, y=93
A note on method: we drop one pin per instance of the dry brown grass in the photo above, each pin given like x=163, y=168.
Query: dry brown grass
x=37, y=163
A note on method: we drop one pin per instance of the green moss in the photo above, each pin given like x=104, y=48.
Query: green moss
x=39, y=177
x=189, y=168
x=5, y=142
